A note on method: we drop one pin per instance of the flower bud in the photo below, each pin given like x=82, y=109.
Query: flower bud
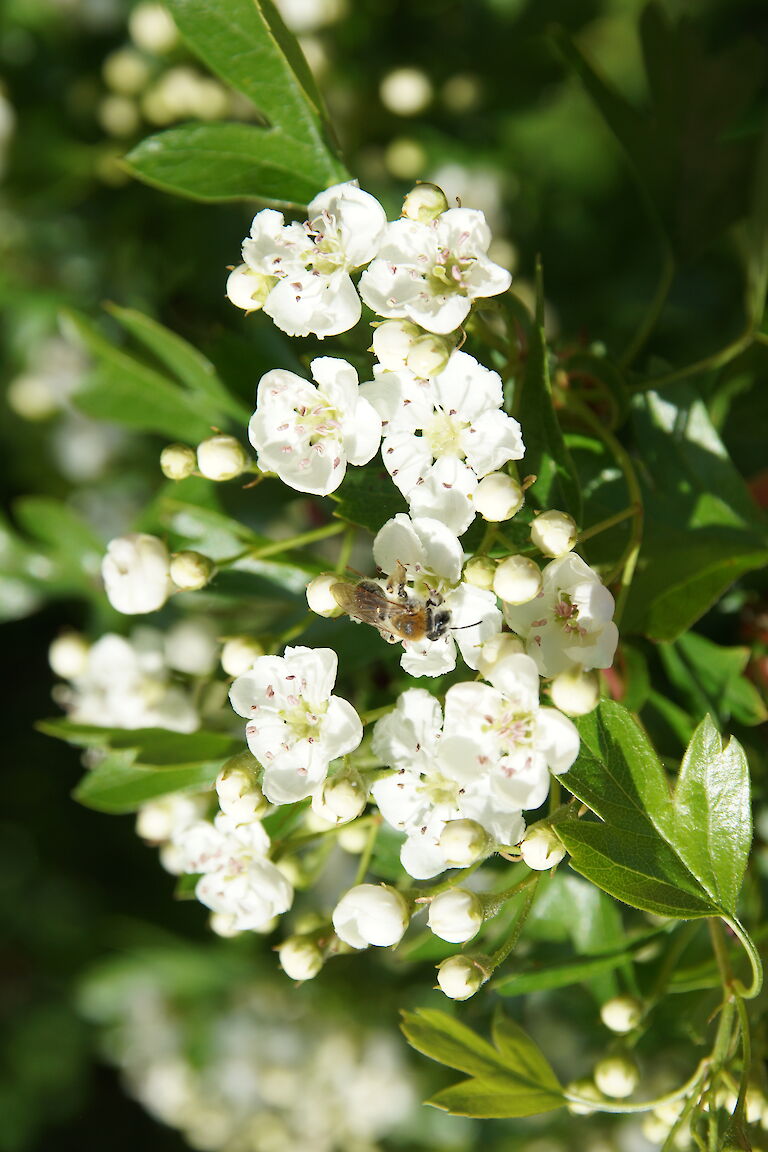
x=554, y=533
x=616, y=1076
x=177, y=461
x=126, y=71
x=238, y=789
x=405, y=91
x=496, y=649
x=371, y=914
x=392, y=341
x=541, y=849
x=456, y=915
x=429, y=355
x=459, y=977
x=152, y=28
x=223, y=925
x=353, y=839
x=248, y=289
x=221, y=458
x=586, y=1089
x=424, y=203
x=300, y=958
x=463, y=842
x=518, y=579
x=68, y=655
x=239, y=653
x=191, y=646
x=575, y=691
x=340, y=799
x=135, y=573
x=497, y=497
x=621, y=1014
x=479, y=572
x=191, y=571
x=319, y=596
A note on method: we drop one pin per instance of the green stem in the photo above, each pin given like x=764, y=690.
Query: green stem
x=707, y=364
x=365, y=857
x=609, y=522
x=754, y=960
x=345, y=550
x=291, y=843
x=746, y=1059
x=647, y=1105
x=425, y=894
x=653, y=313
x=500, y=955
x=298, y=541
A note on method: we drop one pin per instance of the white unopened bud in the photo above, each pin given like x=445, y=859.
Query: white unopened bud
x=320, y=597
x=224, y=925
x=152, y=28
x=518, y=579
x=248, y=289
x=300, y=958
x=353, y=839
x=406, y=91
x=497, y=648
x=177, y=461
x=239, y=653
x=135, y=573
x=221, y=458
x=554, y=533
x=191, y=571
x=588, y=1091
x=68, y=655
x=479, y=571
x=392, y=341
x=119, y=115
x=371, y=914
x=155, y=821
x=575, y=691
x=456, y=915
x=32, y=397
x=621, y=1014
x=429, y=355
x=463, y=842
x=497, y=497
x=616, y=1076
x=125, y=71
x=459, y=977
x=424, y=203
x=541, y=849
x=238, y=789
x=340, y=799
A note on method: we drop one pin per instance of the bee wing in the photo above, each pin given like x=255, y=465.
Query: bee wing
x=345, y=596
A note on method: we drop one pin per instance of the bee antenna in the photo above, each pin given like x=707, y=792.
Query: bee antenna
x=459, y=627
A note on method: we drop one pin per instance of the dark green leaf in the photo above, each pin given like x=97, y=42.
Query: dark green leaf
x=156, y=747
x=546, y=456
x=710, y=678
x=229, y=162
x=368, y=497
x=118, y=784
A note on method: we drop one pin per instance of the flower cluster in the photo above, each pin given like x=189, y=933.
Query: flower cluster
x=451, y=777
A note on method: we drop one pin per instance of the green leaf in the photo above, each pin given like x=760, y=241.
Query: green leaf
x=230, y=162
x=546, y=455
x=368, y=498
x=561, y=975
x=710, y=678
x=189, y=366
x=118, y=784
x=156, y=747
x=512, y=1079
x=71, y=547
x=662, y=854
x=702, y=529
x=711, y=821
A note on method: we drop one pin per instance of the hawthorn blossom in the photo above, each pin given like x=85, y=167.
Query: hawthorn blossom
x=295, y=726
x=238, y=880
x=125, y=683
x=308, y=433
x=371, y=914
x=135, y=571
x=487, y=760
x=430, y=272
x=569, y=624
x=432, y=558
x=299, y=273
x=442, y=435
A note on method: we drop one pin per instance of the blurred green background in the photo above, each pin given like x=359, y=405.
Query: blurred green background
x=475, y=96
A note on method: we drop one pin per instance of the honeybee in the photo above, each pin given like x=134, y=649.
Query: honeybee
x=392, y=610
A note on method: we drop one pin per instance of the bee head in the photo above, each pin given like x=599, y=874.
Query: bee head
x=438, y=622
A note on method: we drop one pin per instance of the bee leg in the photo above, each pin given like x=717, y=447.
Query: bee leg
x=396, y=581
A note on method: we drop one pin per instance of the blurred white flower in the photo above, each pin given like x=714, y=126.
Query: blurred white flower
x=308, y=433
x=295, y=726
x=135, y=571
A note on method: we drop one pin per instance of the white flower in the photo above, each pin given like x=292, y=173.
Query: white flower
x=238, y=880
x=443, y=434
x=431, y=272
x=191, y=646
x=295, y=726
x=432, y=558
x=456, y=915
x=135, y=573
x=371, y=914
x=307, y=433
x=570, y=621
x=310, y=263
x=425, y=794
x=238, y=791
x=168, y=816
x=126, y=684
